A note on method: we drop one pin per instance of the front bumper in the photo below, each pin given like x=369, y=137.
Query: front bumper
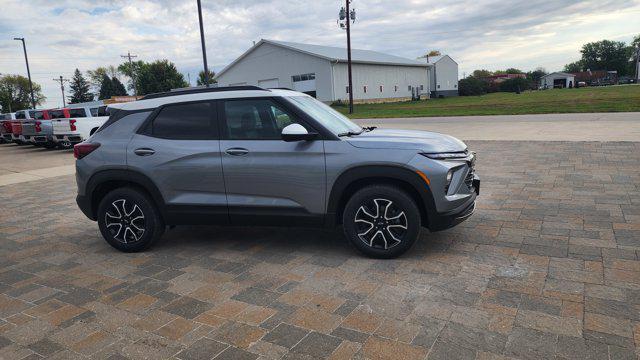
x=443, y=221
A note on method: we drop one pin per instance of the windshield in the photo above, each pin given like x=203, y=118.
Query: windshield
x=325, y=115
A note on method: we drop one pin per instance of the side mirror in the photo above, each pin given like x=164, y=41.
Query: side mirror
x=297, y=132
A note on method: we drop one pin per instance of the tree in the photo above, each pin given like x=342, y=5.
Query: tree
x=202, y=81
x=132, y=71
x=431, y=53
x=15, y=94
x=96, y=76
x=535, y=76
x=472, y=86
x=106, y=88
x=79, y=89
x=158, y=76
x=513, y=71
x=118, y=87
x=574, y=67
x=514, y=85
x=481, y=73
x=606, y=55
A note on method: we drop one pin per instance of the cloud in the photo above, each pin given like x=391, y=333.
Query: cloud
x=65, y=34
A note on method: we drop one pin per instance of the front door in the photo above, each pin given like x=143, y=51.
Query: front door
x=179, y=151
x=267, y=179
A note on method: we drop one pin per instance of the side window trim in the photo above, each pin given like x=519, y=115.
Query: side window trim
x=147, y=126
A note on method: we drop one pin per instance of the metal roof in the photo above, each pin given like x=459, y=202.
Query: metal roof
x=332, y=53
x=559, y=73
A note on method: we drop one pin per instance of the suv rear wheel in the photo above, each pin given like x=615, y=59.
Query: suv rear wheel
x=381, y=221
x=129, y=220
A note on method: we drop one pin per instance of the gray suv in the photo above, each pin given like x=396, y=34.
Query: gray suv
x=252, y=156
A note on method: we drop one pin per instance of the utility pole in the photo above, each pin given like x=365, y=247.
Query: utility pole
x=638, y=64
x=348, y=16
x=204, y=49
x=133, y=73
x=26, y=59
x=62, y=81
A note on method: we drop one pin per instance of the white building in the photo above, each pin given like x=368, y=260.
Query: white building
x=443, y=76
x=321, y=71
x=558, y=80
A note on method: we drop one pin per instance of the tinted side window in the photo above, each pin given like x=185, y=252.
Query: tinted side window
x=185, y=122
x=77, y=113
x=56, y=114
x=38, y=115
x=21, y=115
x=94, y=111
x=102, y=111
x=256, y=119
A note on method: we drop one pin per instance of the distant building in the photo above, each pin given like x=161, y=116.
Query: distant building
x=498, y=78
x=321, y=71
x=443, y=76
x=558, y=80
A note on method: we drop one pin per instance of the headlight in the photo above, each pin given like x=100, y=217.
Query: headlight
x=447, y=155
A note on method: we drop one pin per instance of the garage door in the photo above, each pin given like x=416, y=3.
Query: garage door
x=269, y=83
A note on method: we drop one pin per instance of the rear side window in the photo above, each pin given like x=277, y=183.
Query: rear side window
x=38, y=115
x=5, y=116
x=21, y=115
x=94, y=111
x=192, y=121
x=32, y=114
x=77, y=113
x=56, y=114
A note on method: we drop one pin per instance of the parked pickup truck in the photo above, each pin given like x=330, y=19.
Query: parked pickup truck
x=78, y=127
x=39, y=130
x=5, y=127
x=16, y=125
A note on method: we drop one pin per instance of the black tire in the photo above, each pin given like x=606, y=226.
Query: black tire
x=396, y=209
x=135, y=203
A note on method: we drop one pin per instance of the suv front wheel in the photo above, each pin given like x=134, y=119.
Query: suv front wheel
x=381, y=221
x=129, y=220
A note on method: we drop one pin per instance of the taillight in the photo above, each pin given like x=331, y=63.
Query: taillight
x=83, y=149
x=72, y=125
x=38, y=128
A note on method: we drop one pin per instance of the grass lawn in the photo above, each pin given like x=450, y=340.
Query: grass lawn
x=589, y=99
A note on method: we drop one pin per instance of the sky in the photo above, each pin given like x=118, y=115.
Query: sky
x=62, y=35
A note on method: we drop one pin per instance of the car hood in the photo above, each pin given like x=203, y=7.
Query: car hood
x=424, y=141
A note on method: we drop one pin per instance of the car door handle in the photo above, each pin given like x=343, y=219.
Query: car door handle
x=237, y=151
x=144, y=152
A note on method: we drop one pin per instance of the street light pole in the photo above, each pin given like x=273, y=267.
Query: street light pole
x=26, y=59
x=638, y=64
x=204, y=49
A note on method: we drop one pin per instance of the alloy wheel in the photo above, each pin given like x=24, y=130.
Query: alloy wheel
x=380, y=223
x=125, y=221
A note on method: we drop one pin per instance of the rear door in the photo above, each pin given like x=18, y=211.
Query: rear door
x=269, y=180
x=179, y=150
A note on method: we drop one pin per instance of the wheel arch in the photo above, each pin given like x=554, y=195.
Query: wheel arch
x=356, y=178
x=101, y=183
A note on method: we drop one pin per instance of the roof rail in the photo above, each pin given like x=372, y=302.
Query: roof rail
x=200, y=90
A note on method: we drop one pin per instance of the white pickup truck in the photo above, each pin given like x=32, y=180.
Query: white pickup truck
x=80, y=125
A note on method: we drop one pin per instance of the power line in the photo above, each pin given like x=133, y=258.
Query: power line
x=62, y=81
x=133, y=73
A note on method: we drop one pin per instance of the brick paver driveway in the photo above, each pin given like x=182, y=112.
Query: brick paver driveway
x=548, y=267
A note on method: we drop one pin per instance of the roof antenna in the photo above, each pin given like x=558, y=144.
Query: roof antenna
x=254, y=43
